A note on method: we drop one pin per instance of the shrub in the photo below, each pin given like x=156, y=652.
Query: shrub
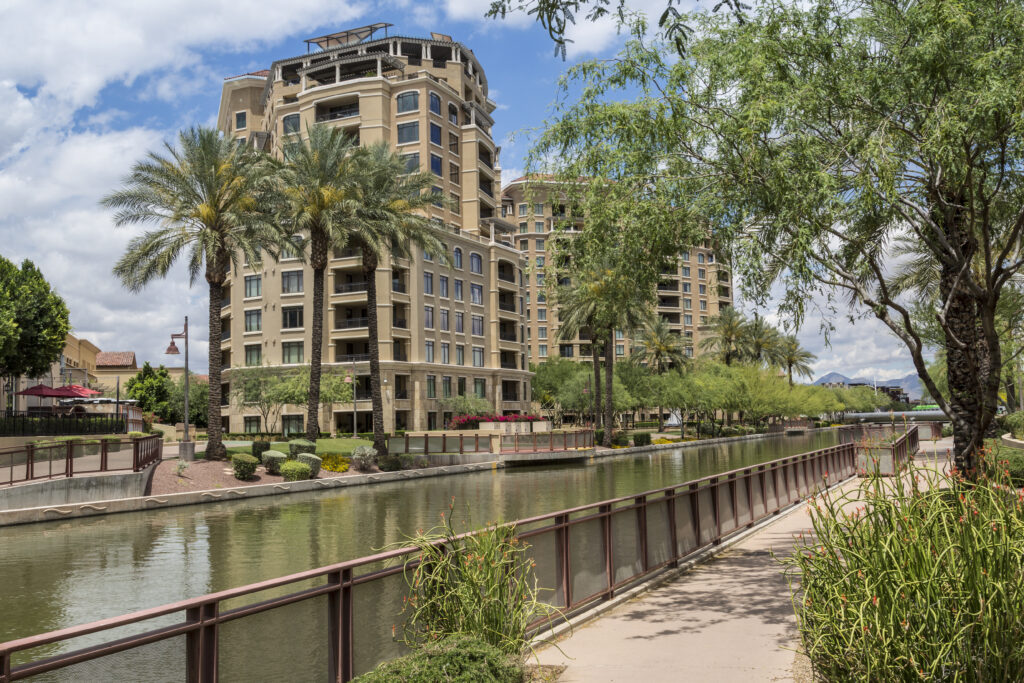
x=389, y=463
x=244, y=466
x=1014, y=422
x=259, y=448
x=313, y=461
x=136, y=435
x=620, y=439
x=273, y=460
x=335, y=462
x=364, y=458
x=598, y=436
x=1008, y=462
x=482, y=584
x=916, y=584
x=456, y=658
x=947, y=429
x=296, y=446
x=90, y=446
x=642, y=439
x=293, y=470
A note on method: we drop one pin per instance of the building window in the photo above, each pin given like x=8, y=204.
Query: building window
x=476, y=264
x=254, y=321
x=291, y=317
x=430, y=351
x=291, y=282
x=703, y=289
x=538, y=226
x=446, y=387
x=251, y=424
x=703, y=305
x=542, y=332
x=446, y=353
x=435, y=134
x=686, y=271
x=538, y=209
x=542, y=314
x=290, y=124
x=541, y=298
x=457, y=258
x=292, y=424
x=620, y=350
x=524, y=209
x=428, y=283
x=435, y=104
x=460, y=355
x=476, y=294
x=523, y=228
x=431, y=386
x=542, y=350
x=685, y=256
x=408, y=101
x=290, y=251
x=428, y=317
x=408, y=132
x=480, y=388
x=240, y=120
x=539, y=245
x=453, y=114
x=458, y=290
x=686, y=288
x=412, y=162
x=478, y=325
x=703, y=320
x=689, y=352
x=478, y=356
x=453, y=144
x=540, y=261
x=700, y=258
x=253, y=355
x=524, y=245
x=687, y=303
x=459, y=317
x=565, y=350
x=253, y=286
x=687, y=319
x=456, y=206
x=540, y=279
x=702, y=274
x=443, y=285
x=436, y=165
x=291, y=352
x=444, y=319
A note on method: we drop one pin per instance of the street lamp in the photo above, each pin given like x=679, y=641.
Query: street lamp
x=186, y=450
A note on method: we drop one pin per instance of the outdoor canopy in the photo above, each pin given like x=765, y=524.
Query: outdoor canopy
x=43, y=391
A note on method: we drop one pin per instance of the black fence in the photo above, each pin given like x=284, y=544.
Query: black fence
x=34, y=424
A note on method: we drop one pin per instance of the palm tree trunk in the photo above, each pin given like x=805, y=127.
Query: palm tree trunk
x=214, y=445
x=316, y=354
x=597, y=385
x=609, y=405
x=789, y=373
x=380, y=443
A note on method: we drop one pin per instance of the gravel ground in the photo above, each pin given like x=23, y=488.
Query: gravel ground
x=202, y=475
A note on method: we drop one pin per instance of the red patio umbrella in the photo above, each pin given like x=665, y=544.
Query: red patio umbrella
x=43, y=391
x=76, y=391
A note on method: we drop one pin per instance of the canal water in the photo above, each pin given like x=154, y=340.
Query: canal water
x=59, y=574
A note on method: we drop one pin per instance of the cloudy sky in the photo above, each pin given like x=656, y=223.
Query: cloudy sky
x=88, y=88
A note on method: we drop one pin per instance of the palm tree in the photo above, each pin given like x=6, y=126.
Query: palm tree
x=795, y=358
x=659, y=349
x=726, y=335
x=577, y=313
x=386, y=223
x=211, y=200
x=761, y=342
x=317, y=181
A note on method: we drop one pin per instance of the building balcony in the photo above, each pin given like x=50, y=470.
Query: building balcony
x=351, y=357
x=399, y=286
x=349, y=287
x=351, y=323
x=347, y=252
x=400, y=323
x=668, y=286
x=401, y=394
x=506, y=337
x=336, y=113
x=509, y=365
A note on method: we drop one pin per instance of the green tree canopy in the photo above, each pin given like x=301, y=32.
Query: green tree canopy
x=33, y=321
x=153, y=389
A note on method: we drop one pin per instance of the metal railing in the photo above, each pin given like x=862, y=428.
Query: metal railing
x=34, y=424
x=779, y=427
x=537, y=442
x=440, y=443
x=345, y=287
x=886, y=457
x=585, y=554
x=398, y=286
x=351, y=357
x=351, y=323
x=34, y=462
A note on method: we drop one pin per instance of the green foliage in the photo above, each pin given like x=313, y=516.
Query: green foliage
x=198, y=400
x=296, y=446
x=33, y=321
x=620, y=439
x=461, y=657
x=259, y=448
x=312, y=461
x=333, y=462
x=152, y=388
x=244, y=466
x=389, y=463
x=294, y=470
x=466, y=405
x=913, y=582
x=642, y=439
x=1014, y=422
x=273, y=460
x=136, y=435
x=482, y=584
x=364, y=458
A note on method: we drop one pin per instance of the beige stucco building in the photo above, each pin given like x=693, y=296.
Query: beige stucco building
x=689, y=294
x=444, y=330
x=75, y=365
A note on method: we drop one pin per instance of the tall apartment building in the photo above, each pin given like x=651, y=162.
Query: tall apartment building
x=444, y=330
x=689, y=294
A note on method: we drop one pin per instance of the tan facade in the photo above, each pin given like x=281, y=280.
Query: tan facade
x=76, y=365
x=688, y=296
x=443, y=330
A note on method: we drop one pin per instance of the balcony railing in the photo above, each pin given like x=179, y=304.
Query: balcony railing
x=506, y=277
x=363, y=395
x=341, y=113
x=351, y=323
x=668, y=286
x=504, y=336
x=509, y=365
x=486, y=189
x=402, y=356
x=398, y=286
x=345, y=287
x=347, y=252
x=401, y=394
x=400, y=323
x=351, y=357
x=507, y=307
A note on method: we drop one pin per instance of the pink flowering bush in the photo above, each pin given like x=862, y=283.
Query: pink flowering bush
x=474, y=421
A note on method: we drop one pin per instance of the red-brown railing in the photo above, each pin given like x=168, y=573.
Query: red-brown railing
x=55, y=460
x=546, y=442
x=586, y=553
x=440, y=443
x=887, y=458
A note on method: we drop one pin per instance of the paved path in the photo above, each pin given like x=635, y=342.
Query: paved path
x=728, y=619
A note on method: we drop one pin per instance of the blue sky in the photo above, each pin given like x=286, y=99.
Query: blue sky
x=88, y=88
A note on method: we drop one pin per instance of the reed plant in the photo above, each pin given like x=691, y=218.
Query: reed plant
x=480, y=584
x=914, y=577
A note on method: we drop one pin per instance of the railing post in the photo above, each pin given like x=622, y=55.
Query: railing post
x=670, y=510
x=407, y=442
x=103, y=455
x=609, y=565
x=534, y=442
x=339, y=626
x=562, y=550
x=201, y=644
x=444, y=442
x=135, y=455
x=642, y=528
x=30, y=465
x=69, y=463
x=716, y=490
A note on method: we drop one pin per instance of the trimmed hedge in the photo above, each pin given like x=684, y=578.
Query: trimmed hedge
x=259, y=448
x=296, y=446
x=642, y=439
x=273, y=460
x=293, y=470
x=389, y=463
x=456, y=658
x=244, y=466
x=309, y=459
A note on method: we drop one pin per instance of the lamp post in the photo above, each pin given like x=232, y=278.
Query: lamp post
x=186, y=449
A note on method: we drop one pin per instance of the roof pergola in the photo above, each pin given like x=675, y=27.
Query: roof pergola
x=352, y=36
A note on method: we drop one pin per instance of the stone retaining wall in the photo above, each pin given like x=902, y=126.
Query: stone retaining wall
x=1008, y=441
x=52, y=493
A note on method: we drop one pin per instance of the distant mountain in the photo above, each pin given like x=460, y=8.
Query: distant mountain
x=910, y=384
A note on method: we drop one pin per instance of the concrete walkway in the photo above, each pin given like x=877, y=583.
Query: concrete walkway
x=728, y=619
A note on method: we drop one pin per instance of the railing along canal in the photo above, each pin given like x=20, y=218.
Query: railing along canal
x=586, y=554
x=33, y=462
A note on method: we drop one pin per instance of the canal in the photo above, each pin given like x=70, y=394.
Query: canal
x=59, y=574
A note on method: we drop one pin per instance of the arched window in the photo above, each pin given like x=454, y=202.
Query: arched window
x=476, y=264
x=291, y=124
x=457, y=258
x=453, y=114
